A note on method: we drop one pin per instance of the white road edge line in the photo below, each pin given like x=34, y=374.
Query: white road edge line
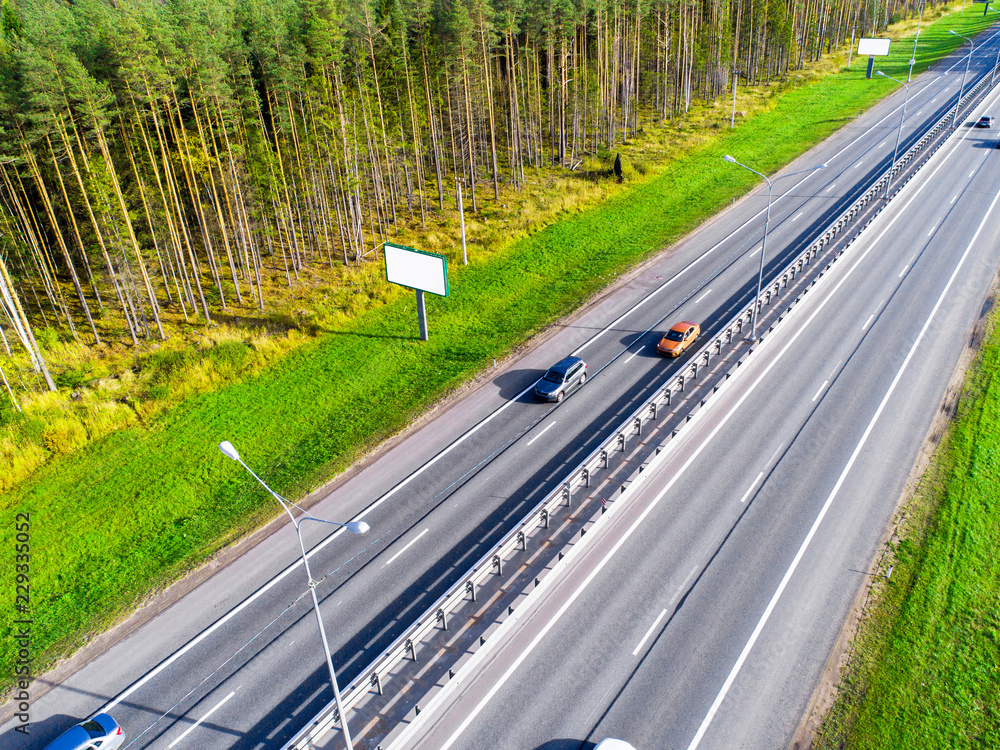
x=836, y=489
x=649, y=632
x=820, y=390
x=409, y=544
x=750, y=488
x=551, y=425
x=195, y=725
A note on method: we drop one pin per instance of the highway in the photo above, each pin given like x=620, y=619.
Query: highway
x=704, y=617
x=236, y=663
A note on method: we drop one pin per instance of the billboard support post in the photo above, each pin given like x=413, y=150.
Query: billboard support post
x=422, y=315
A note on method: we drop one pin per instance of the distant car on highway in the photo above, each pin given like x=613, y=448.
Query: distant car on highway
x=561, y=378
x=100, y=733
x=680, y=336
x=986, y=121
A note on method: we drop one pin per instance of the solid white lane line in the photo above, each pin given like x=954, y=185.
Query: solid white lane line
x=553, y=424
x=195, y=725
x=905, y=269
x=649, y=632
x=820, y=390
x=833, y=493
x=410, y=544
x=750, y=488
x=868, y=322
x=707, y=292
x=777, y=452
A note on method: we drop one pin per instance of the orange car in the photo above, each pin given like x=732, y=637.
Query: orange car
x=676, y=341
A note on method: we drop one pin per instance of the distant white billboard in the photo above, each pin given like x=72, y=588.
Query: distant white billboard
x=425, y=272
x=873, y=47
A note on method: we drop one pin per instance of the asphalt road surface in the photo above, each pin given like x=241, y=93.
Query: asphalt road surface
x=704, y=616
x=236, y=663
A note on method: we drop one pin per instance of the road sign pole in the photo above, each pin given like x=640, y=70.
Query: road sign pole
x=422, y=315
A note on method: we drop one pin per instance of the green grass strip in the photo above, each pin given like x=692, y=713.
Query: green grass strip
x=925, y=671
x=131, y=512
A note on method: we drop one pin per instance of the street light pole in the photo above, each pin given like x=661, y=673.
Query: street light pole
x=899, y=130
x=913, y=55
x=954, y=120
x=767, y=218
x=355, y=527
x=732, y=119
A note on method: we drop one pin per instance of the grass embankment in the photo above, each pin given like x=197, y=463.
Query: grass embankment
x=134, y=509
x=925, y=669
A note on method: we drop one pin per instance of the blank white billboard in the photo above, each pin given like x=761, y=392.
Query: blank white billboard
x=416, y=269
x=876, y=47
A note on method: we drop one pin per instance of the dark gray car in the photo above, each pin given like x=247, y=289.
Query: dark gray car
x=561, y=378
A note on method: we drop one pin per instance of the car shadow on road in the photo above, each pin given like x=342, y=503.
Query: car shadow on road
x=514, y=382
x=42, y=731
x=566, y=745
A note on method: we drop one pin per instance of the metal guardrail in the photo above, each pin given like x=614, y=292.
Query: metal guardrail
x=492, y=562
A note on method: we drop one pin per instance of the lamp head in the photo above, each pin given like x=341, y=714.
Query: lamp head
x=728, y=158
x=952, y=31
x=226, y=447
x=358, y=527
x=880, y=73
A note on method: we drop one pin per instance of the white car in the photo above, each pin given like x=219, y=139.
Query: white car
x=100, y=733
x=612, y=744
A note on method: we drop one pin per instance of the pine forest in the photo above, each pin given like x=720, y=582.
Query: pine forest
x=167, y=155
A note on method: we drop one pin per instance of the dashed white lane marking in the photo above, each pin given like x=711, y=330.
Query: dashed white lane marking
x=708, y=292
x=553, y=424
x=932, y=230
x=831, y=187
x=821, y=388
x=954, y=199
x=649, y=632
x=751, y=488
x=410, y=544
x=868, y=322
x=835, y=491
x=195, y=725
x=905, y=269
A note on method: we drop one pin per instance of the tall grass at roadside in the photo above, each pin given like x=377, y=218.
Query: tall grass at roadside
x=925, y=669
x=129, y=512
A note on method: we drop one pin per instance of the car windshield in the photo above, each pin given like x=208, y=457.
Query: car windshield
x=94, y=729
x=553, y=376
x=675, y=336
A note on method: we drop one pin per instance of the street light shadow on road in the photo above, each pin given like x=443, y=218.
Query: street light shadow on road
x=513, y=382
x=566, y=745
